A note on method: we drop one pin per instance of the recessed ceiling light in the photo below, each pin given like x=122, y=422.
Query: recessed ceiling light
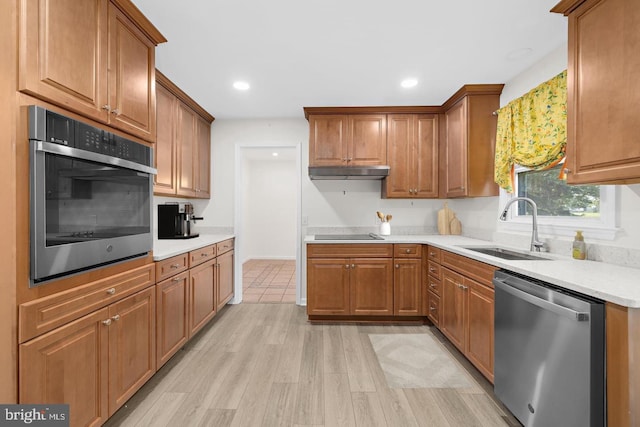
x=274, y=154
x=407, y=83
x=241, y=85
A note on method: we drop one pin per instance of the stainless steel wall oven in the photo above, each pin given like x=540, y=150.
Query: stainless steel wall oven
x=91, y=196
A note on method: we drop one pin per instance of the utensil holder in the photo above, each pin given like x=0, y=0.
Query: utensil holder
x=385, y=229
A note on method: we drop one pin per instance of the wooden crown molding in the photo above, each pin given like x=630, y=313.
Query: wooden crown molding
x=162, y=80
x=566, y=6
x=475, y=89
x=141, y=21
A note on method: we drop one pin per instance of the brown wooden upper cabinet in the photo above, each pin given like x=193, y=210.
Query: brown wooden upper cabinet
x=97, y=60
x=603, y=89
x=347, y=139
x=183, y=147
x=468, y=143
x=412, y=147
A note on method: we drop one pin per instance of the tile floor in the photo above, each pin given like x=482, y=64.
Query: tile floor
x=272, y=281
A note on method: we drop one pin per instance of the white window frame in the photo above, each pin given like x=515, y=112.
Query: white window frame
x=603, y=228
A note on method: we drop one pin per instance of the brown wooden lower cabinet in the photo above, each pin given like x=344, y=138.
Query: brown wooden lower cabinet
x=94, y=363
x=202, y=295
x=371, y=286
x=328, y=286
x=407, y=287
x=454, y=306
x=225, y=279
x=172, y=322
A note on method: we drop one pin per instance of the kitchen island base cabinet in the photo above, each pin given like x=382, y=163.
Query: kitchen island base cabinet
x=94, y=363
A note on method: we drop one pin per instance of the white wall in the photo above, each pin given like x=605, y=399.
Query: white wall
x=269, y=209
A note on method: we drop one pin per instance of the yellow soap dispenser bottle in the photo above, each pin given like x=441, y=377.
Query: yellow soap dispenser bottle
x=579, y=247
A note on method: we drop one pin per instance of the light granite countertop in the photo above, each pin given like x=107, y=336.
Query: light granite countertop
x=166, y=248
x=612, y=283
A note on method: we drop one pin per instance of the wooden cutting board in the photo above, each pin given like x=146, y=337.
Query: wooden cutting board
x=444, y=220
x=455, y=226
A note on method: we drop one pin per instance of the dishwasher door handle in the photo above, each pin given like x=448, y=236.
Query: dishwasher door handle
x=542, y=303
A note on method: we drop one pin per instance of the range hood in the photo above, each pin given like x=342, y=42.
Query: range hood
x=348, y=172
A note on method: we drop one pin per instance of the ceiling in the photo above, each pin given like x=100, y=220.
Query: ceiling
x=297, y=53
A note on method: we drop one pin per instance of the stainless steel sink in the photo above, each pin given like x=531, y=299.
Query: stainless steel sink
x=506, y=254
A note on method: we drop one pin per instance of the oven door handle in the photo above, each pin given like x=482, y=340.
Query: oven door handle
x=76, y=153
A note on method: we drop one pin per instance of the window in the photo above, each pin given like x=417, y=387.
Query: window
x=562, y=208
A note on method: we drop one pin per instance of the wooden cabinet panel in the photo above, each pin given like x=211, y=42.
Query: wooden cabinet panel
x=172, y=322
x=62, y=58
x=358, y=250
x=479, y=320
x=456, y=150
x=433, y=254
x=468, y=145
x=371, y=286
x=165, y=153
x=407, y=250
x=434, y=285
x=327, y=140
x=70, y=365
x=203, y=178
x=187, y=148
x=132, y=95
x=328, y=286
x=412, y=145
x=225, y=278
x=202, y=297
x=224, y=246
x=132, y=346
x=434, y=270
x=407, y=287
x=603, y=79
x=367, y=142
x=433, y=308
x=454, y=307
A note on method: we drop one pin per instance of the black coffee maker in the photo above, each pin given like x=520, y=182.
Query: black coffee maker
x=174, y=221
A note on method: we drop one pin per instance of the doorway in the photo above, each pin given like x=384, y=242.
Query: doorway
x=267, y=223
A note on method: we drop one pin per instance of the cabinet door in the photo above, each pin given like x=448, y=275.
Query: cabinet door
x=132, y=346
x=367, y=141
x=407, y=287
x=70, y=365
x=327, y=140
x=603, y=92
x=187, y=149
x=479, y=322
x=203, y=164
x=453, y=306
x=433, y=307
x=327, y=286
x=400, y=148
x=426, y=156
x=172, y=322
x=63, y=55
x=165, y=154
x=371, y=286
x=456, y=150
x=132, y=77
x=225, y=278
x=202, y=297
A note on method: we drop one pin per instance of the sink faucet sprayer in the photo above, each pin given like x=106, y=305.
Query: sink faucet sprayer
x=536, y=244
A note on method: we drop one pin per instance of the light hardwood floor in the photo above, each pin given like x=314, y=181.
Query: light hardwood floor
x=265, y=365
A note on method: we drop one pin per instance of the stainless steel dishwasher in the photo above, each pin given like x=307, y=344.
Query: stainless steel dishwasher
x=549, y=367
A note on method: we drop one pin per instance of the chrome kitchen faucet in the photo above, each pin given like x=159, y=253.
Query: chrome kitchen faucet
x=536, y=244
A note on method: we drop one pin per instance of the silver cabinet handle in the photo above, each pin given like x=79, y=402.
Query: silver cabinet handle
x=204, y=255
x=432, y=269
x=177, y=279
x=346, y=266
x=116, y=318
x=111, y=291
x=432, y=285
x=175, y=265
x=411, y=191
x=353, y=266
x=432, y=308
x=106, y=322
x=432, y=254
x=115, y=112
x=567, y=170
x=397, y=265
x=408, y=251
x=106, y=107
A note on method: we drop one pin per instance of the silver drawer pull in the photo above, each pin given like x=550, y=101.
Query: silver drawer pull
x=408, y=251
x=111, y=291
x=204, y=255
x=106, y=322
x=432, y=308
x=116, y=318
x=397, y=265
x=432, y=285
x=175, y=265
x=177, y=279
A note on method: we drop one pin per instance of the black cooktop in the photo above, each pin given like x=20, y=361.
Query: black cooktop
x=370, y=236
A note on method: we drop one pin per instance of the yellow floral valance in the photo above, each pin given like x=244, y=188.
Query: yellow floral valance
x=532, y=130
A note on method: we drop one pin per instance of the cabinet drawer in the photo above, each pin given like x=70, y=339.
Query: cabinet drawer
x=201, y=255
x=476, y=270
x=434, y=285
x=377, y=250
x=171, y=266
x=434, y=308
x=224, y=246
x=434, y=270
x=433, y=254
x=405, y=250
x=44, y=314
